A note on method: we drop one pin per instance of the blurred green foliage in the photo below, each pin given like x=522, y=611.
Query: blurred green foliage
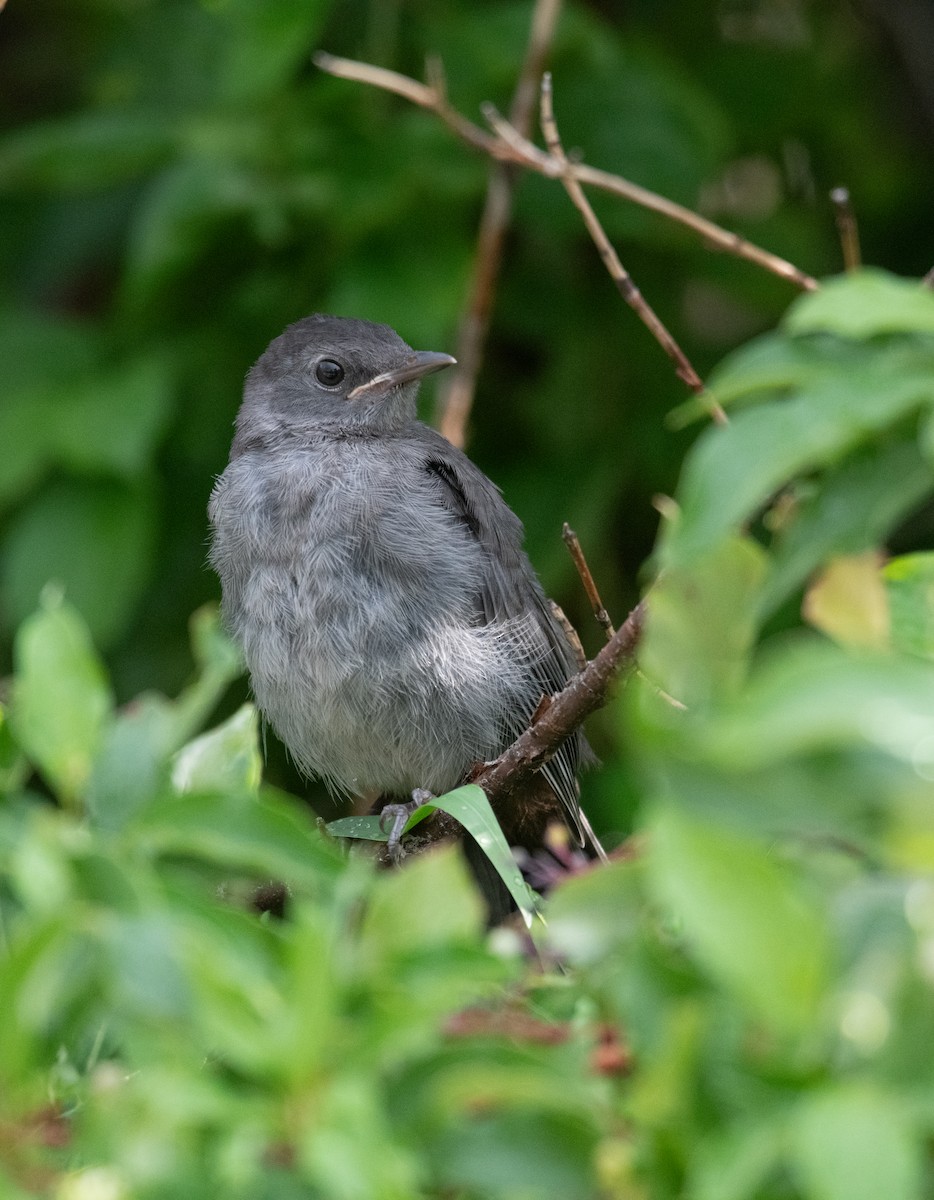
x=743, y=1009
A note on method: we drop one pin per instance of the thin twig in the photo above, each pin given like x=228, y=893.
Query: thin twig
x=572, y=542
x=618, y=273
x=456, y=400
x=523, y=152
x=585, y=693
x=846, y=228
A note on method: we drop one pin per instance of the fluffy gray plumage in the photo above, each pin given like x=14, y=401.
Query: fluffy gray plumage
x=393, y=627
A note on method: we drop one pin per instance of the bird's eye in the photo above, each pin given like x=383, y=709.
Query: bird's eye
x=329, y=372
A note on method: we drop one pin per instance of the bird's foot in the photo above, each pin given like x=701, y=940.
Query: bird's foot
x=398, y=815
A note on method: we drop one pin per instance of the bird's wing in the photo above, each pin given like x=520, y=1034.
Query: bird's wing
x=509, y=588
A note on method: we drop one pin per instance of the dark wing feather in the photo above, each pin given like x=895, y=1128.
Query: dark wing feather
x=509, y=588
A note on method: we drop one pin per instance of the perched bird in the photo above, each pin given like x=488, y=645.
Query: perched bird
x=393, y=627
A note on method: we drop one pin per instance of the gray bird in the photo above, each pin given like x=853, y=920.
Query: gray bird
x=393, y=627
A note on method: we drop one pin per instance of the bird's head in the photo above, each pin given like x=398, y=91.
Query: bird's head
x=335, y=374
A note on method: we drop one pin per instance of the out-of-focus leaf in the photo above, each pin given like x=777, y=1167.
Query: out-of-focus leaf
x=93, y=539
x=591, y=915
x=701, y=623
x=266, y=44
x=261, y=834
x=747, y=917
x=90, y=150
x=61, y=698
x=13, y=766
x=335, y=1160
x=909, y=583
x=813, y=696
x=853, y=1141
x=848, y=602
x=851, y=509
x=864, y=304
x=734, y=469
x=430, y=902
x=226, y=758
x=546, y=1155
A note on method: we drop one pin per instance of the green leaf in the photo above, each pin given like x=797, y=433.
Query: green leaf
x=61, y=699
x=264, y=834
x=702, y=623
x=810, y=696
x=470, y=806
x=431, y=901
x=744, y=914
x=863, y=304
x=96, y=540
x=851, y=509
x=734, y=469
x=853, y=1141
x=226, y=758
x=909, y=583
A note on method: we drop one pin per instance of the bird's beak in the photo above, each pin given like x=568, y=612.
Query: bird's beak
x=422, y=362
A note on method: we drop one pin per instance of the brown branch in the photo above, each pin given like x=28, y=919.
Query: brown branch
x=846, y=227
x=584, y=694
x=618, y=273
x=456, y=400
x=572, y=542
x=523, y=152
x=928, y=280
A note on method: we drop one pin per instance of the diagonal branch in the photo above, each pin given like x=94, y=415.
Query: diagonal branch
x=585, y=693
x=618, y=273
x=517, y=149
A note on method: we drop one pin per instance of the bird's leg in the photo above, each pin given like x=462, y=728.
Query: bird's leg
x=399, y=814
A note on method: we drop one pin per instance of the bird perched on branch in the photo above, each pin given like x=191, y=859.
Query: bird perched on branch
x=393, y=627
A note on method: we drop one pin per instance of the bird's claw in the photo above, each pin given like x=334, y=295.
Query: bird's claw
x=398, y=815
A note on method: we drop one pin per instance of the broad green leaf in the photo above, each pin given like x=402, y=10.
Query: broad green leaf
x=864, y=304
x=702, y=623
x=429, y=902
x=909, y=582
x=851, y=508
x=226, y=758
x=854, y=1141
x=61, y=698
x=745, y=915
x=811, y=696
x=263, y=834
x=765, y=367
x=95, y=539
x=848, y=602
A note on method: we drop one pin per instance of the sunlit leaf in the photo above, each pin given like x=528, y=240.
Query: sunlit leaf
x=864, y=304
x=848, y=602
